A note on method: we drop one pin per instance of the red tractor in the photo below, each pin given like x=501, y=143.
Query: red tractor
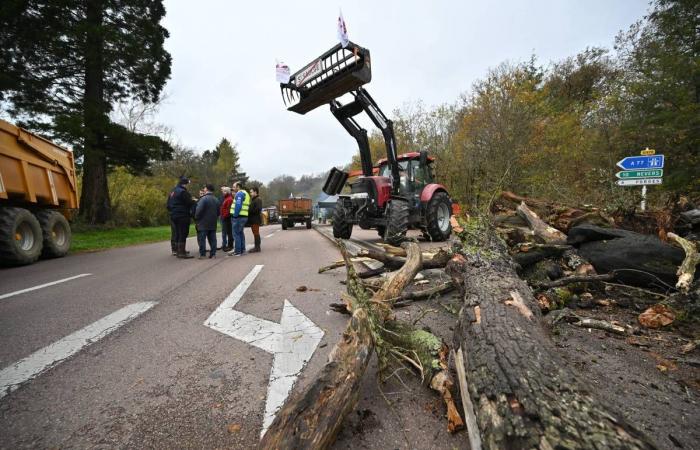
x=402, y=194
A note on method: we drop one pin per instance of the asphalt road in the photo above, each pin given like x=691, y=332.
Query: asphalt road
x=124, y=353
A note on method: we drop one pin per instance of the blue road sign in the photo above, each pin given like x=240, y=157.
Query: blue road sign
x=642, y=162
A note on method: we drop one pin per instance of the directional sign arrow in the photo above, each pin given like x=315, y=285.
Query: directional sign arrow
x=292, y=342
x=642, y=162
x=639, y=181
x=652, y=173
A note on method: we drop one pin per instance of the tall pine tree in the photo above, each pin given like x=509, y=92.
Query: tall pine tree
x=65, y=63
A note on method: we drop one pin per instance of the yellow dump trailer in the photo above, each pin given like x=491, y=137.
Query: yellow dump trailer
x=38, y=195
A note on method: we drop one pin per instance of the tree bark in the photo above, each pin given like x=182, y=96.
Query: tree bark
x=95, y=205
x=523, y=394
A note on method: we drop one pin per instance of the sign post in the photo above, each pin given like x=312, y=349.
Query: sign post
x=643, y=171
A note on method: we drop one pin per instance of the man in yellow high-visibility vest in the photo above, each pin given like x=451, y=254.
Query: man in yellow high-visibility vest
x=239, y=217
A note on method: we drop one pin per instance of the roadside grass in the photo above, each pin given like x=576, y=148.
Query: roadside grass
x=100, y=239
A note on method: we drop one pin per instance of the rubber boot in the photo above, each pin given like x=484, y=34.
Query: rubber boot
x=257, y=245
x=181, y=253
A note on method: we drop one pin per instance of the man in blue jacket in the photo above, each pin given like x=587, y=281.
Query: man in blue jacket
x=239, y=217
x=206, y=216
x=180, y=204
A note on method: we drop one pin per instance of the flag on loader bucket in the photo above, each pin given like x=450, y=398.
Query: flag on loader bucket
x=342, y=31
x=282, y=72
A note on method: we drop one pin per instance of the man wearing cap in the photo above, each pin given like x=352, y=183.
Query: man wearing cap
x=206, y=216
x=239, y=214
x=180, y=204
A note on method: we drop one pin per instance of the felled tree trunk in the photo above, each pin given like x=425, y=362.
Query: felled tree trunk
x=311, y=419
x=523, y=396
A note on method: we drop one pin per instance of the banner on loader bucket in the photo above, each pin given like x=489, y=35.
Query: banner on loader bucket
x=308, y=72
x=329, y=76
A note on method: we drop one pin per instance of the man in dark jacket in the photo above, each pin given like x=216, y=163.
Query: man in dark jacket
x=254, y=218
x=225, y=215
x=206, y=216
x=180, y=207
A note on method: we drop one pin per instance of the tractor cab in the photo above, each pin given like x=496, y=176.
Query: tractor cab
x=414, y=174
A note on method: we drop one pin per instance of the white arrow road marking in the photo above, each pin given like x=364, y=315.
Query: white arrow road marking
x=10, y=294
x=30, y=367
x=292, y=342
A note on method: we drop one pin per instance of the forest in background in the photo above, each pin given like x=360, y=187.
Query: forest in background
x=557, y=131
x=551, y=130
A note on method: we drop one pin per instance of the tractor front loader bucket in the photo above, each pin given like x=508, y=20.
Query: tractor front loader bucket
x=336, y=72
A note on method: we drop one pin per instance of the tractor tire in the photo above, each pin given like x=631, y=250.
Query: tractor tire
x=20, y=237
x=284, y=224
x=57, y=233
x=381, y=230
x=341, y=227
x=308, y=224
x=397, y=222
x=438, y=215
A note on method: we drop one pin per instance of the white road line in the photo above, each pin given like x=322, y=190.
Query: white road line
x=41, y=286
x=32, y=366
x=271, y=234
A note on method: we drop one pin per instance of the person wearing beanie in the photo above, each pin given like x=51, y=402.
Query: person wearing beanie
x=179, y=206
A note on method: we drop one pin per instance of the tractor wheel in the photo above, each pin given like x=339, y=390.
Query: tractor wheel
x=308, y=224
x=20, y=237
x=438, y=217
x=284, y=224
x=57, y=234
x=341, y=227
x=397, y=221
x=381, y=229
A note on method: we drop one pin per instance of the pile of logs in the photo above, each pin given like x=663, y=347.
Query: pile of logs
x=512, y=389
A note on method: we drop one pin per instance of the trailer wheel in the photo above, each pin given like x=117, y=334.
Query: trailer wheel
x=438, y=217
x=397, y=221
x=341, y=227
x=57, y=233
x=20, y=237
x=284, y=224
x=308, y=224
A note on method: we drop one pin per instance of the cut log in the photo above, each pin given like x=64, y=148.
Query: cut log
x=515, y=198
x=636, y=259
x=392, y=261
x=686, y=271
x=524, y=395
x=547, y=234
x=312, y=418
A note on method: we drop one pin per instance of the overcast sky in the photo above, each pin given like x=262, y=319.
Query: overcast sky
x=224, y=52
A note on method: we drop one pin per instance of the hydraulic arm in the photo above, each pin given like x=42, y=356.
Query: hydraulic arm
x=337, y=72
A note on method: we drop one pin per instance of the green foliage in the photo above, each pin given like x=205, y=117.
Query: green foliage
x=85, y=240
x=67, y=62
x=136, y=201
x=556, y=132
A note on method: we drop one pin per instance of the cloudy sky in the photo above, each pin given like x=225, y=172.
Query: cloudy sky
x=224, y=52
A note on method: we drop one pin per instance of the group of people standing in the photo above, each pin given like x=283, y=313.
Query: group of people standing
x=237, y=209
